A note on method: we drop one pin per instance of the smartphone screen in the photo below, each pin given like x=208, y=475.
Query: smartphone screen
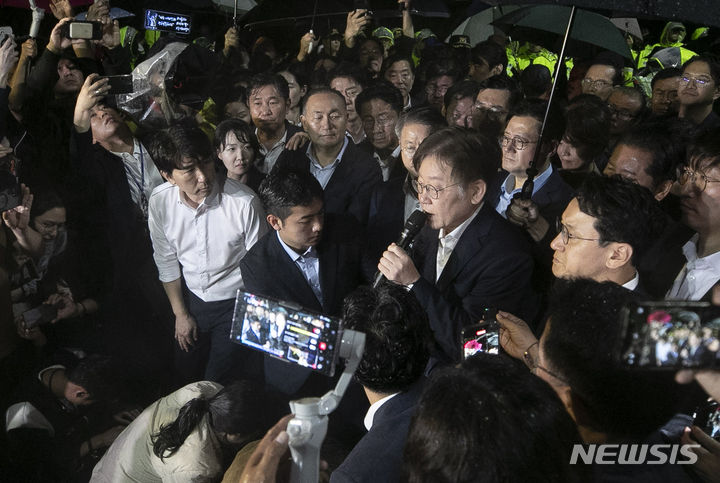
x=120, y=84
x=286, y=332
x=671, y=335
x=483, y=337
x=707, y=417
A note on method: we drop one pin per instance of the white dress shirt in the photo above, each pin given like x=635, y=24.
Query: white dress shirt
x=206, y=243
x=141, y=172
x=697, y=276
x=309, y=264
x=448, y=242
x=370, y=415
x=633, y=282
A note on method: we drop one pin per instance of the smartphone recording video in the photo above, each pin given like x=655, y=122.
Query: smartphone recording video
x=671, y=335
x=483, y=337
x=81, y=29
x=286, y=332
x=119, y=84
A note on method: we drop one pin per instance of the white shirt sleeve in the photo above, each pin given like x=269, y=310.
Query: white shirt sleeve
x=164, y=253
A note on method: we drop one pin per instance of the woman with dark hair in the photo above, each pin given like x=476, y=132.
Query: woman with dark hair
x=51, y=270
x=297, y=79
x=237, y=147
x=587, y=134
x=236, y=105
x=182, y=437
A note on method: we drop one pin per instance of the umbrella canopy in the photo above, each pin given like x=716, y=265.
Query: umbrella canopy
x=283, y=12
x=701, y=12
x=478, y=27
x=628, y=25
x=545, y=24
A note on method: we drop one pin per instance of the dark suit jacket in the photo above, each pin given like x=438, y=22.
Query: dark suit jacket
x=267, y=270
x=491, y=266
x=386, y=217
x=350, y=186
x=378, y=455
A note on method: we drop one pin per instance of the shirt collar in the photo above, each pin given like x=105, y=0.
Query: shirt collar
x=459, y=230
x=282, y=140
x=370, y=416
x=508, y=186
x=690, y=252
x=632, y=284
x=295, y=256
x=314, y=160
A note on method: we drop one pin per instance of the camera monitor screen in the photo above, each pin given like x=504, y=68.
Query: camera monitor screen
x=285, y=332
x=672, y=335
x=483, y=337
x=167, y=22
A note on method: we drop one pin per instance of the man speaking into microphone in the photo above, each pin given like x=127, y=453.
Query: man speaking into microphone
x=467, y=258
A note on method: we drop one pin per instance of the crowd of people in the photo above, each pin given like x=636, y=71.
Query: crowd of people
x=131, y=218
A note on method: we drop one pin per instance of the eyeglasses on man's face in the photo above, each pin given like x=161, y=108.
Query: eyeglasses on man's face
x=518, y=143
x=431, y=191
x=566, y=236
x=699, y=179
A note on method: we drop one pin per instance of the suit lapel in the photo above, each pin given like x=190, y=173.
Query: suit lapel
x=467, y=247
x=328, y=255
x=290, y=274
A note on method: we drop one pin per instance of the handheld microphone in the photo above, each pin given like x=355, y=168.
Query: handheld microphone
x=412, y=227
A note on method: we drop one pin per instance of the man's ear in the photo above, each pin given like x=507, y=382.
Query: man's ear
x=620, y=255
x=477, y=191
x=496, y=70
x=274, y=221
x=303, y=121
x=662, y=191
x=168, y=177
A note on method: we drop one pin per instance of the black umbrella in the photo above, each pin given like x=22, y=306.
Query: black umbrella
x=545, y=24
x=271, y=13
x=702, y=12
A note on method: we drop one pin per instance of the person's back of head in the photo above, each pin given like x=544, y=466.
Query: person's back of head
x=578, y=357
x=99, y=377
x=535, y=81
x=398, y=337
x=624, y=212
x=490, y=420
x=284, y=189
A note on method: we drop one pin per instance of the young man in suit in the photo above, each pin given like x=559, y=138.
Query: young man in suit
x=305, y=259
x=397, y=349
x=347, y=174
x=468, y=258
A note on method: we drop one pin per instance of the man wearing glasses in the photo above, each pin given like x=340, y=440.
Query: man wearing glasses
x=697, y=92
x=605, y=230
x=519, y=143
x=600, y=79
x=467, y=258
x=699, y=181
